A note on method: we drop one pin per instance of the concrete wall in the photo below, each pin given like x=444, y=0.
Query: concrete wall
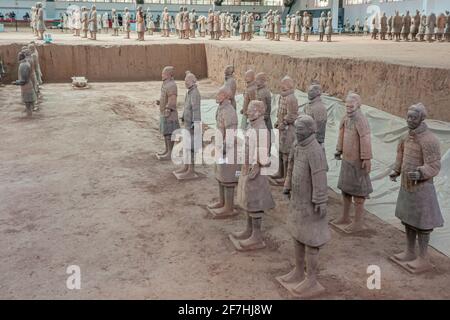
x=389, y=87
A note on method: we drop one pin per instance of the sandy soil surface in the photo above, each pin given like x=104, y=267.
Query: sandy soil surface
x=361, y=48
x=80, y=185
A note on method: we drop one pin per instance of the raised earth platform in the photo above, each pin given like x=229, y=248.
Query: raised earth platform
x=80, y=185
x=388, y=75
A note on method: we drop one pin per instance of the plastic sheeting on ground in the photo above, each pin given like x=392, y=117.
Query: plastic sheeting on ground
x=386, y=130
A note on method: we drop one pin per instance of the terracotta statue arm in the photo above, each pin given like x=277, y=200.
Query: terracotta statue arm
x=196, y=113
x=292, y=112
x=340, y=142
x=429, y=170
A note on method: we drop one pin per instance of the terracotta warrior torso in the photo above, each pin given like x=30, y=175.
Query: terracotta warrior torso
x=287, y=112
x=317, y=110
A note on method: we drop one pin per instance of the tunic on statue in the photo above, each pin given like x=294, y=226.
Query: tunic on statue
x=168, y=112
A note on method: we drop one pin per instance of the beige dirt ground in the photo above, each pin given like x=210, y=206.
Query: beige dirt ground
x=80, y=185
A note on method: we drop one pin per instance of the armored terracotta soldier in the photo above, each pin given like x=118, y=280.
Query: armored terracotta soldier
x=383, y=26
x=99, y=23
x=390, y=20
x=253, y=194
x=217, y=25
x=242, y=22
x=192, y=23
x=277, y=25
x=307, y=222
x=286, y=115
x=418, y=162
x=84, y=21
x=307, y=23
x=223, y=24
x=192, y=120
x=374, y=28
x=77, y=22
x=270, y=25
x=202, y=26
x=430, y=27
x=40, y=22
x=185, y=24
x=26, y=86
x=440, y=31
x=329, y=27
x=105, y=23
x=366, y=26
x=249, y=95
x=33, y=20
x=397, y=26
x=263, y=94
x=126, y=23
x=422, y=27
x=322, y=25
x=354, y=148
x=93, y=23
x=415, y=23
x=406, y=26
x=35, y=57
x=165, y=18
x=150, y=24
x=292, y=26
x=115, y=22
x=226, y=166
x=357, y=25
x=250, y=26
x=228, y=25
x=211, y=23
x=168, y=110
x=178, y=22
x=288, y=26
x=33, y=77
x=231, y=83
x=317, y=110
x=347, y=26
x=140, y=23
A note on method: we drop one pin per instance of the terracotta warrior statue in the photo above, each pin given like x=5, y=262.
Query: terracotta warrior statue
x=418, y=162
x=357, y=25
x=263, y=94
x=254, y=195
x=93, y=23
x=40, y=22
x=105, y=23
x=84, y=21
x=192, y=23
x=35, y=57
x=150, y=23
x=317, y=110
x=306, y=186
x=322, y=25
x=250, y=26
x=354, y=148
x=140, y=23
x=202, y=26
x=185, y=24
x=415, y=23
x=422, y=27
x=242, y=22
x=277, y=25
x=430, y=27
x=211, y=23
x=191, y=118
x=390, y=27
x=288, y=26
x=270, y=25
x=178, y=22
x=329, y=27
x=440, y=24
x=115, y=22
x=231, y=83
x=217, y=31
x=33, y=78
x=286, y=115
x=383, y=26
x=397, y=26
x=447, y=27
x=126, y=23
x=375, y=27
x=249, y=95
x=165, y=19
x=168, y=111
x=228, y=25
x=307, y=23
x=366, y=26
x=226, y=166
x=33, y=21
x=28, y=91
x=406, y=26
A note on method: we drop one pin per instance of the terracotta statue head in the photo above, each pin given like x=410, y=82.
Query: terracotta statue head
x=190, y=79
x=352, y=102
x=255, y=110
x=167, y=73
x=287, y=83
x=249, y=76
x=416, y=114
x=21, y=56
x=314, y=91
x=223, y=94
x=305, y=126
x=261, y=79
x=229, y=70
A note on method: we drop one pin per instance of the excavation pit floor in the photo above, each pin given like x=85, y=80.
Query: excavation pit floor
x=80, y=185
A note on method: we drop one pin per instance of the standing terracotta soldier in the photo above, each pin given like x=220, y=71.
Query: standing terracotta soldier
x=165, y=18
x=40, y=21
x=228, y=25
x=99, y=23
x=317, y=110
x=126, y=23
x=406, y=26
x=192, y=22
x=329, y=27
x=447, y=26
x=26, y=86
x=383, y=26
x=35, y=57
x=115, y=22
x=270, y=25
x=191, y=118
x=430, y=27
x=231, y=83
x=322, y=25
x=223, y=24
x=422, y=26
x=185, y=24
x=150, y=22
x=179, y=22
x=390, y=27
x=307, y=221
x=306, y=26
x=249, y=95
x=288, y=26
x=84, y=21
x=226, y=166
x=374, y=28
x=168, y=111
x=202, y=26
x=292, y=26
x=263, y=94
x=105, y=23
x=76, y=15
x=254, y=195
x=286, y=115
x=347, y=26
x=242, y=22
x=357, y=25
x=418, y=162
x=366, y=26
x=93, y=23
x=441, y=21
x=277, y=25
x=140, y=24
x=211, y=23
x=33, y=20
x=415, y=23
x=397, y=26
x=354, y=148
x=250, y=26
x=216, y=25
x=33, y=77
